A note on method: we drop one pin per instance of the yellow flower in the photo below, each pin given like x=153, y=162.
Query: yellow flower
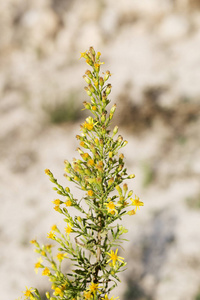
x=54, y=228
x=131, y=212
x=114, y=257
x=57, y=202
x=68, y=203
x=90, y=193
x=38, y=265
x=87, y=295
x=46, y=272
x=136, y=202
x=85, y=156
x=68, y=229
x=51, y=235
x=61, y=256
x=28, y=293
x=47, y=171
x=88, y=126
x=111, y=207
x=58, y=292
x=57, y=208
x=93, y=287
x=90, y=162
x=112, y=298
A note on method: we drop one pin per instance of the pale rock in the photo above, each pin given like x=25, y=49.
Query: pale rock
x=173, y=27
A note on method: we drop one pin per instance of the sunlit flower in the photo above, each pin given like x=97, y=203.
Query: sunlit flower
x=54, y=228
x=114, y=257
x=106, y=298
x=68, y=229
x=68, y=202
x=38, y=265
x=61, y=256
x=87, y=295
x=93, y=287
x=28, y=293
x=90, y=193
x=51, y=235
x=136, y=202
x=57, y=202
x=111, y=207
x=58, y=292
x=46, y=272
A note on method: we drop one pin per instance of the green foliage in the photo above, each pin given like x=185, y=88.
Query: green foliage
x=193, y=202
x=148, y=174
x=65, y=110
x=90, y=236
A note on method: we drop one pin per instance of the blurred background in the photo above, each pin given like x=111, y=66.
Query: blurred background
x=152, y=48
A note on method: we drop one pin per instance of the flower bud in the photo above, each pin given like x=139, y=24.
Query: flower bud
x=110, y=154
x=115, y=130
x=131, y=212
x=103, y=118
x=89, y=74
x=107, y=75
x=98, y=55
x=124, y=143
x=93, y=100
x=131, y=176
x=130, y=193
x=67, y=189
x=87, y=91
x=101, y=81
x=86, y=79
x=91, y=49
x=91, y=88
x=86, y=104
x=108, y=89
x=110, y=181
x=125, y=187
x=113, y=108
x=119, y=189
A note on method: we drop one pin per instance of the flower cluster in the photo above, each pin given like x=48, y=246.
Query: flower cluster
x=89, y=241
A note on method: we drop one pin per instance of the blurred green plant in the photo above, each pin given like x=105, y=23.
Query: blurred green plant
x=193, y=202
x=63, y=110
x=148, y=174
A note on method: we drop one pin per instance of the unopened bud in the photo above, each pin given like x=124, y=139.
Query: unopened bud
x=110, y=181
x=98, y=55
x=92, y=89
x=89, y=74
x=101, y=81
x=125, y=187
x=88, y=91
x=108, y=89
x=113, y=109
x=86, y=79
x=91, y=49
x=131, y=176
x=124, y=143
x=107, y=75
x=121, y=156
x=103, y=118
x=130, y=193
x=115, y=130
x=119, y=189
x=110, y=154
x=120, y=139
x=86, y=104
x=67, y=189
x=93, y=100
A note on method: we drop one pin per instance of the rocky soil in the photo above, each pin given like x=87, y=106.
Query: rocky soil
x=152, y=49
